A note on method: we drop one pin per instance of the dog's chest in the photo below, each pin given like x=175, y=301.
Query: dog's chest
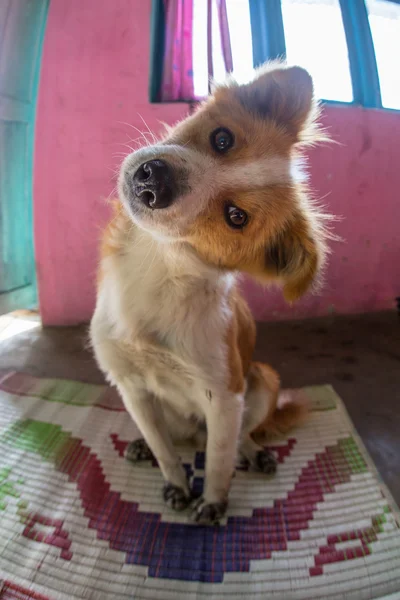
x=191, y=328
x=186, y=317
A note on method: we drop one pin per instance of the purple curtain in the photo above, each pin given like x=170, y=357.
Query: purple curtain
x=210, y=64
x=225, y=48
x=177, y=79
x=225, y=37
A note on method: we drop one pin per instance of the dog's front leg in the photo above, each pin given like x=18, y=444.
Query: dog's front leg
x=223, y=418
x=147, y=413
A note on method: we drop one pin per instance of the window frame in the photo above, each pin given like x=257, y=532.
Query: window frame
x=268, y=38
x=362, y=59
x=267, y=44
x=157, y=40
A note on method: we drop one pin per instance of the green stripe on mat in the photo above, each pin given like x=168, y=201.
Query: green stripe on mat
x=77, y=393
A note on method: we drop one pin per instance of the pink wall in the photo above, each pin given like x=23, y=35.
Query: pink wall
x=95, y=80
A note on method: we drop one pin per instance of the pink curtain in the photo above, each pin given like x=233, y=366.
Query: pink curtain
x=225, y=37
x=177, y=79
x=210, y=64
x=225, y=48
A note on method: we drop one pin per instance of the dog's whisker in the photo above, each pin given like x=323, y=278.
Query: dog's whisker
x=148, y=129
x=142, y=134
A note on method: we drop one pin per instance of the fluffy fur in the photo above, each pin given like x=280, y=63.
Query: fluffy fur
x=170, y=328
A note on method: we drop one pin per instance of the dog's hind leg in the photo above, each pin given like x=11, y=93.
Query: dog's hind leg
x=181, y=429
x=138, y=450
x=260, y=401
x=267, y=411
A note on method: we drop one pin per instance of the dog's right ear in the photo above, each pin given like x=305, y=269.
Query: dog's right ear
x=283, y=94
x=293, y=258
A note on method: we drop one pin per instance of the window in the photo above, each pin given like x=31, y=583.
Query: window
x=241, y=39
x=238, y=15
x=350, y=47
x=384, y=20
x=315, y=39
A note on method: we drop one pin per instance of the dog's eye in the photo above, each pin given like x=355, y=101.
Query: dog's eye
x=222, y=139
x=235, y=217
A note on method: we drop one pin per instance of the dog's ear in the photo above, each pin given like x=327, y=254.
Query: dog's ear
x=293, y=258
x=283, y=94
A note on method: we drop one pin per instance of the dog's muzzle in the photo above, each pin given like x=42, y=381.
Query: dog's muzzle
x=154, y=184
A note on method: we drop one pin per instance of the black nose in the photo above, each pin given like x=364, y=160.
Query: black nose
x=154, y=184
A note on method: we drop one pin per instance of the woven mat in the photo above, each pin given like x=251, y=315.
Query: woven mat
x=78, y=521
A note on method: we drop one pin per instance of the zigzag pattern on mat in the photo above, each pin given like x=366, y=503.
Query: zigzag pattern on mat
x=72, y=509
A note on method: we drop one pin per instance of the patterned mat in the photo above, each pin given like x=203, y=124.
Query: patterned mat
x=78, y=521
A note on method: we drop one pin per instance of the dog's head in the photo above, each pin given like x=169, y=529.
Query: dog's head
x=226, y=181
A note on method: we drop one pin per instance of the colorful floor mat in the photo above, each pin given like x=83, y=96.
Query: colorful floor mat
x=78, y=521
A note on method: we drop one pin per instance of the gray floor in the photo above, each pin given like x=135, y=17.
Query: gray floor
x=359, y=356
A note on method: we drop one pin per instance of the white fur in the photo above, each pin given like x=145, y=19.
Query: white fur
x=159, y=334
x=160, y=328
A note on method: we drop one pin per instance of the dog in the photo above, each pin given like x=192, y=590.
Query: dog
x=222, y=193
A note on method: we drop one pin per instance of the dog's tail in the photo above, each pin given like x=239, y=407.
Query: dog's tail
x=284, y=410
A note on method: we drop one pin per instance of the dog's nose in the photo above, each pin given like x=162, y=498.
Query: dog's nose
x=154, y=184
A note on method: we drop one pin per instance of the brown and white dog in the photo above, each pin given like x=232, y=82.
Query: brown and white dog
x=221, y=194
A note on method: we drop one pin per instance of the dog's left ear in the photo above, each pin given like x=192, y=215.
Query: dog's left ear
x=294, y=259
x=283, y=94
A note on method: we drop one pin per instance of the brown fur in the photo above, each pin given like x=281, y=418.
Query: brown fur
x=285, y=233
x=241, y=341
x=241, y=338
x=284, y=239
x=284, y=413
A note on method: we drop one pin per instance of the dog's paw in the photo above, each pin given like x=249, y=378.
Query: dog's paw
x=138, y=450
x=265, y=462
x=175, y=497
x=208, y=514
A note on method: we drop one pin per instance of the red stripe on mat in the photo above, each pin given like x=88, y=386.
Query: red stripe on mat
x=12, y=591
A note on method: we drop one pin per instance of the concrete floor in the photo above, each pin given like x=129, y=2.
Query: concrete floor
x=358, y=355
